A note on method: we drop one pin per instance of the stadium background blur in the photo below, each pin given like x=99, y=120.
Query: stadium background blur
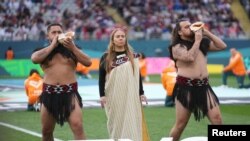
x=23, y=27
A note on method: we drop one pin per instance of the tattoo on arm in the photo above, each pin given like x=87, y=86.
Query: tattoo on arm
x=181, y=53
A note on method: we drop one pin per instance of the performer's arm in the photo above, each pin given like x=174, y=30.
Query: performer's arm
x=141, y=91
x=102, y=77
x=180, y=52
x=81, y=56
x=38, y=56
x=142, y=96
x=216, y=43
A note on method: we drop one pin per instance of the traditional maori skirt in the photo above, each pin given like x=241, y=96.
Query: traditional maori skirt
x=196, y=95
x=60, y=100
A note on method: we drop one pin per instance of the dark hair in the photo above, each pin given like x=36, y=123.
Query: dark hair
x=175, y=34
x=53, y=24
x=34, y=71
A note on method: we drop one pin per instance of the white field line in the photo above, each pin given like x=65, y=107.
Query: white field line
x=24, y=130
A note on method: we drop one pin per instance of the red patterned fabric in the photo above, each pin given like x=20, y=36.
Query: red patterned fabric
x=60, y=89
x=191, y=82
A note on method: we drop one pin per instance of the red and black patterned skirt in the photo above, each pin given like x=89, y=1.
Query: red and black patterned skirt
x=59, y=100
x=194, y=94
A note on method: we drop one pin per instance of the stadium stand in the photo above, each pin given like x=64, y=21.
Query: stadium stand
x=246, y=5
x=242, y=15
x=93, y=19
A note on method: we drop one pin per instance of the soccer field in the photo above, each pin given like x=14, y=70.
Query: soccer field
x=132, y=44
x=159, y=121
x=25, y=126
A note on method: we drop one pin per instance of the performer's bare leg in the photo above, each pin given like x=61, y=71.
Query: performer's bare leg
x=48, y=124
x=214, y=114
x=182, y=118
x=76, y=123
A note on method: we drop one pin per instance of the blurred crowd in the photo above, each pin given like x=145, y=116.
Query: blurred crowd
x=246, y=5
x=147, y=19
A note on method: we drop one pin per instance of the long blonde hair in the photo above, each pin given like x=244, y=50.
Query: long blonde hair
x=111, y=54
